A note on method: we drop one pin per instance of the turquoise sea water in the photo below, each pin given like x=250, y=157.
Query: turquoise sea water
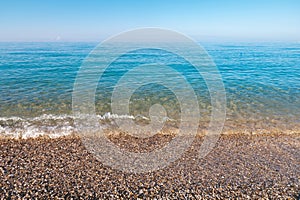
x=262, y=83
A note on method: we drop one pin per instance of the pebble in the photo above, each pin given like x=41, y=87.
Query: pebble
x=239, y=167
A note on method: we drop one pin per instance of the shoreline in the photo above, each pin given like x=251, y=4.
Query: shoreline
x=246, y=166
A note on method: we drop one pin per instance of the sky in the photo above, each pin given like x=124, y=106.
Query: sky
x=95, y=20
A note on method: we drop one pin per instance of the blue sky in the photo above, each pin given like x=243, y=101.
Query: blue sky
x=231, y=20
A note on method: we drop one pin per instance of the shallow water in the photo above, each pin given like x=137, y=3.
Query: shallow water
x=262, y=83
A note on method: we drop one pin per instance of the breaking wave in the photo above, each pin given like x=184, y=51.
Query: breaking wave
x=52, y=126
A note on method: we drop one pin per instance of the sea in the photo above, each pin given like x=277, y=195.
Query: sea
x=261, y=82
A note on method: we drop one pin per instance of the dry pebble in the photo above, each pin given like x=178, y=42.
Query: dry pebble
x=240, y=166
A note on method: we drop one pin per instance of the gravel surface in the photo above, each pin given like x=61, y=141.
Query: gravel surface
x=240, y=166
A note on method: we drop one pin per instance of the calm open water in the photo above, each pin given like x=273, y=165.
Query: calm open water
x=262, y=83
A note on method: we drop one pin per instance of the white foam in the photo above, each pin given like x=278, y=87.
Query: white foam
x=49, y=125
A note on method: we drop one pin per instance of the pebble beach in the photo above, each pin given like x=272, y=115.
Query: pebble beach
x=263, y=166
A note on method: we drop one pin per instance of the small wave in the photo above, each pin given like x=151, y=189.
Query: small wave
x=52, y=126
x=46, y=125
